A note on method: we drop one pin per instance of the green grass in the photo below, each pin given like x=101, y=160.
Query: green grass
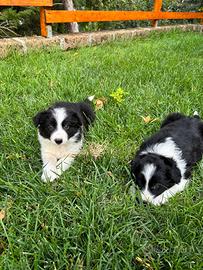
x=87, y=219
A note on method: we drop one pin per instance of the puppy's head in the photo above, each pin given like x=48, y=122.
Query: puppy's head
x=59, y=125
x=154, y=174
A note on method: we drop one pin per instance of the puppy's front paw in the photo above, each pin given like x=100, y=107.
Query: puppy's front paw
x=49, y=176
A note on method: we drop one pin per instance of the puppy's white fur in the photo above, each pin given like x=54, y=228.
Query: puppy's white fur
x=164, y=197
x=57, y=158
x=148, y=172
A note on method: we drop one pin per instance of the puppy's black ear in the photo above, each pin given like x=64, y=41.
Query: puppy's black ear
x=171, y=118
x=135, y=165
x=39, y=118
x=172, y=172
x=87, y=113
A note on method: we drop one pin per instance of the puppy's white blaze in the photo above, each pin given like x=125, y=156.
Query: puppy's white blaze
x=148, y=172
x=59, y=133
x=168, y=149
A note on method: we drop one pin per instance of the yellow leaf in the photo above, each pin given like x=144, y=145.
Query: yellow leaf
x=44, y=226
x=148, y=119
x=2, y=214
x=155, y=119
x=78, y=193
x=110, y=174
x=143, y=263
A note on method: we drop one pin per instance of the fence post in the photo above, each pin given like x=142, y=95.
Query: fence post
x=43, y=22
x=46, y=30
x=157, y=7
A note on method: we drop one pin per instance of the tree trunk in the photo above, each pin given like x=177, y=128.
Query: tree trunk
x=68, y=5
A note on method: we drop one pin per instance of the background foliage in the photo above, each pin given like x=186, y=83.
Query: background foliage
x=25, y=21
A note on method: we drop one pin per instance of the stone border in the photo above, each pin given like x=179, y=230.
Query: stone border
x=70, y=41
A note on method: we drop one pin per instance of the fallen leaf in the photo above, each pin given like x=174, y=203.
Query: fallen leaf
x=143, y=263
x=148, y=119
x=78, y=193
x=155, y=119
x=99, y=103
x=2, y=214
x=2, y=247
x=76, y=263
x=44, y=226
x=51, y=83
x=96, y=150
x=110, y=174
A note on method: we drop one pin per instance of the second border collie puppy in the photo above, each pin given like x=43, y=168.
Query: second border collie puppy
x=164, y=162
x=61, y=133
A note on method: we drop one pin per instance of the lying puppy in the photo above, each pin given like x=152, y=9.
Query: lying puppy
x=61, y=133
x=164, y=162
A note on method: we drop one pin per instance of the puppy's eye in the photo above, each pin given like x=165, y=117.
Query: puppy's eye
x=51, y=125
x=66, y=126
x=156, y=186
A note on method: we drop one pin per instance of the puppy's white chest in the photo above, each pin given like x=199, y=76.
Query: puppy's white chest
x=62, y=151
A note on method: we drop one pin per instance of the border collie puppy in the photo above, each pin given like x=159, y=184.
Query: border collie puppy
x=164, y=162
x=61, y=133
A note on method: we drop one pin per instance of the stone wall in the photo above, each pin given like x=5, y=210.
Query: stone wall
x=70, y=41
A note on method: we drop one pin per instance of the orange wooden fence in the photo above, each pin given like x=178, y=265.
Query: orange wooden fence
x=31, y=3
x=63, y=16
x=48, y=16
x=157, y=7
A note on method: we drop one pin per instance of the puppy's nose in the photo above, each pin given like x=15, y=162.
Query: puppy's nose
x=58, y=141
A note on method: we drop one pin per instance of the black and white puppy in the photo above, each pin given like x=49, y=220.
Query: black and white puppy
x=61, y=134
x=164, y=162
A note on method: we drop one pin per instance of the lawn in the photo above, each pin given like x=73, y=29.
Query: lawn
x=88, y=219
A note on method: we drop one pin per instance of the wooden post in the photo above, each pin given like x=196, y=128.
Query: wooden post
x=43, y=22
x=157, y=7
x=46, y=29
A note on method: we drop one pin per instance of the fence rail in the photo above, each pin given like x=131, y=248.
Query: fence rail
x=31, y=3
x=63, y=16
x=48, y=16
